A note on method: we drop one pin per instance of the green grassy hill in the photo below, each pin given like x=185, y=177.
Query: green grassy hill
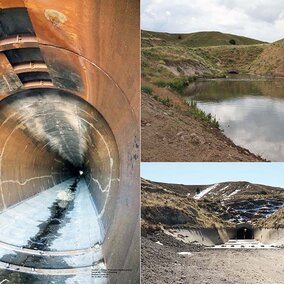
x=173, y=61
x=198, y=39
x=183, y=57
x=271, y=61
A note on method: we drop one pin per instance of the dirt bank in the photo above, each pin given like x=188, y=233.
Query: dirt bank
x=173, y=135
x=162, y=265
x=270, y=62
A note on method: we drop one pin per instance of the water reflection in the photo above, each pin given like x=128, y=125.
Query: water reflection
x=251, y=112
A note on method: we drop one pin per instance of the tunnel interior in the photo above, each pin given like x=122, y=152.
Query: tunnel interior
x=55, y=146
x=244, y=233
x=68, y=142
x=54, y=134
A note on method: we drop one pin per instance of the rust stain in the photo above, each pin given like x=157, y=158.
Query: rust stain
x=55, y=17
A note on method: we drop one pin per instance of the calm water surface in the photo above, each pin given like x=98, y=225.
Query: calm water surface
x=250, y=110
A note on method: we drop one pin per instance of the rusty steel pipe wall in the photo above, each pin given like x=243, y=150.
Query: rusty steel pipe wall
x=90, y=50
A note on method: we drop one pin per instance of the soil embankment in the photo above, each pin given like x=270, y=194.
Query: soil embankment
x=170, y=134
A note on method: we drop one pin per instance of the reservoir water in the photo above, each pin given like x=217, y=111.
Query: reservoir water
x=250, y=110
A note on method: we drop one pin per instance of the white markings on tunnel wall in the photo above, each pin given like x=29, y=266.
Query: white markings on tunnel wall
x=100, y=214
x=63, y=110
x=19, y=126
x=60, y=162
x=76, y=124
x=27, y=180
x=108, y=186
x=2, y=153
x=52, y=141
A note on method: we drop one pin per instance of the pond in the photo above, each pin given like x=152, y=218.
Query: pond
x=250, y=110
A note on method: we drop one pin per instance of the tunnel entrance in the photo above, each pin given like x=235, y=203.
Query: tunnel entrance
x=244, y=233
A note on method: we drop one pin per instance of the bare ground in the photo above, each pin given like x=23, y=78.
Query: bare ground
x=162, y=264
x=172, y=135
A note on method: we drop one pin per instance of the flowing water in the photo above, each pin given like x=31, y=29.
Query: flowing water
x=249, y=109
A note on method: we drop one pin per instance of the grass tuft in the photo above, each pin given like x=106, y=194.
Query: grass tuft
x=147, y=89
x=167, y=102
x=177, y=84
x=202, y=115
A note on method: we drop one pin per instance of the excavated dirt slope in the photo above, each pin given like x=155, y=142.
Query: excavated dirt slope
x=171, y=135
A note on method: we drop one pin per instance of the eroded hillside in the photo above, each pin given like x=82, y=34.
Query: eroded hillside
x=276, y=220
x=163, y=207
x=211, y=206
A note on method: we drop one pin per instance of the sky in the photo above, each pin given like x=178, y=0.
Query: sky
x=259, y=19
x=209, y=173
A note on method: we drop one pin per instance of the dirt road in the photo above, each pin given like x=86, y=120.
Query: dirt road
x=162, y=264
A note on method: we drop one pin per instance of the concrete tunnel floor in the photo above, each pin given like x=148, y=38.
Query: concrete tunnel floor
x=33, y=224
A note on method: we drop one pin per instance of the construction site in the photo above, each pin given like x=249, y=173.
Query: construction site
x=219, y=232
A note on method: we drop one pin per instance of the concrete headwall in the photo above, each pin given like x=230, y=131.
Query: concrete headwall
x=270, y=236
x=207, y=237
